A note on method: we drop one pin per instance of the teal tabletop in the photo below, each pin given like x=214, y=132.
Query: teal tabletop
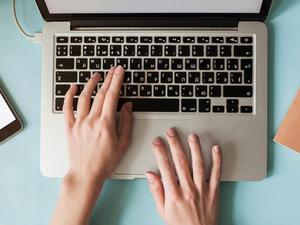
x=28, y=198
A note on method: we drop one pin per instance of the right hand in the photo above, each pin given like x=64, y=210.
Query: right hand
x=192, y=200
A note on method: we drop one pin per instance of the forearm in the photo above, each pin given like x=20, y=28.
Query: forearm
x=76, y=201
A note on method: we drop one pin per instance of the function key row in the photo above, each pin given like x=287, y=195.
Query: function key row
x=156, y=39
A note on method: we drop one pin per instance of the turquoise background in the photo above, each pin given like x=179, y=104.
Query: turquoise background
x=27, y=198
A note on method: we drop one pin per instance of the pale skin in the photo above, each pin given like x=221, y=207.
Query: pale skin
x=96, y=145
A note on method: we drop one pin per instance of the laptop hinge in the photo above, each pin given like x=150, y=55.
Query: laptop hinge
x=153, y=22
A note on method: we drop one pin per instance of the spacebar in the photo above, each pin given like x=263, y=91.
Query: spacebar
x=151, y=105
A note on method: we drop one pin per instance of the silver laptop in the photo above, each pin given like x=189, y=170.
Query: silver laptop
x=199, y=66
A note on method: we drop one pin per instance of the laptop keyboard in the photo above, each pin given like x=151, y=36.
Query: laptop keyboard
x=187, y=74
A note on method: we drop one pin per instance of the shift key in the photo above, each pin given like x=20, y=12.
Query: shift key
x=238, y=91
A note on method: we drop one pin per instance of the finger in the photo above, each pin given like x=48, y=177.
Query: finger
x=198, y=165
x=99, y=98
x=125, y=126
x=166, y=169
x=68, y=106
x=157, y=190
x=113, y=93
x=180, y=160
x=84, y=102
x=216, y=169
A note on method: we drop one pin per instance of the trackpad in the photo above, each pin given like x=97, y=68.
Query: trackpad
x=139, y=157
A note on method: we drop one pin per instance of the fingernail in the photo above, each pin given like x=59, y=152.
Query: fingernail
x=96, y=75
x=112, y=69
x=129, y=107
x=157, y=141
x=217, y=149
x=119, y=69
x=193, y=137
x=171, y=132
x=149, y=178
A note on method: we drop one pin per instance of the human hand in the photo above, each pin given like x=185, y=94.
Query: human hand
x=192, y=200
x=95, y=144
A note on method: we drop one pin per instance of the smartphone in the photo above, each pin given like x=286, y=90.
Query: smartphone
x=10, y=123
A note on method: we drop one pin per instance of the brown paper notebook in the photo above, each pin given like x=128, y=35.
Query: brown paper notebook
x=289, y=131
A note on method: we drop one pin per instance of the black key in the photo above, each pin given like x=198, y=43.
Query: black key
x=170, y=50
x=225, y=50
x=166, y=77
x=149, y=64
x=131, y=90
x=212, y=50
x=151, y=104
x=61, y=89
x=188, y=39
x=246, y=109
x=217, y=40
x=203, y=39
x=160, y=39
x=232, y=40
x=204, y=64
x=94, y=93
x=129, y=50
x=243, y=51
x=146, y=39
x=190, y=64
x=201, y=91
x=62, y=39
x=236, y=78
x=90, y=39
x=247, y=66
x=80, y=88
x=188, y=105
x=159, y=90
x=204, y=105
x=222, y=77
x=108, y=63
x=122, y=91
x=173, y=90
x=103, y=39
x=174, y=39
x=197, y=50
x=218, y=109
x=145, y=90
x=156, y=50
x=81, y=63
x=194, y=77
x=215, y=91
x=232, y=106
x=218, y=64
x=152, y=77
x=76, y=39
x=184, y=50
x=95, y=63
x=163, y=64
x=123, y=62
x=59, y=102
x=62, y=50
x=64, y=63
x=238, y=91
x=232, y=64
x=176, y=64
x=62, y=76
x=246, y=40
x=115, y=50
x=208, y=77
x=75, y=50
x=84, y=76
x=180, y=77
x=117, y=39
x=88, y=50
x=136, y=64
x=139, y=77
x=127, y=77
x=102, y=50
x=132, y=39
x=187, y=91
x=142, y=50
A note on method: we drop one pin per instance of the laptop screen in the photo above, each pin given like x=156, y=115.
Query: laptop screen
x=152, y=6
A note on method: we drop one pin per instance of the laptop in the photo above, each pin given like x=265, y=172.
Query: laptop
x=200, y=66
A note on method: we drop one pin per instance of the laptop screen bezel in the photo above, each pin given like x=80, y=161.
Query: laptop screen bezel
x=146, y=17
